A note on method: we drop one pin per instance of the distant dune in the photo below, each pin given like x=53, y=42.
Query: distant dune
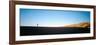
x=83, y=25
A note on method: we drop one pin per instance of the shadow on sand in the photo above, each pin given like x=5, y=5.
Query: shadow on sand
x=28, y=30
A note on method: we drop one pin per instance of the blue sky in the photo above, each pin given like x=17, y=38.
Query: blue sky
x=47, y=17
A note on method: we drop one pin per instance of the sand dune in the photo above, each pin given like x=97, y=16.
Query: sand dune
x=83, y=25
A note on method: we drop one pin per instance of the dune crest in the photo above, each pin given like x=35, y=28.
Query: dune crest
x=83, y=25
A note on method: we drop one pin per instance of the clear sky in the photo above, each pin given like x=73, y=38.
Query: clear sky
x=52, y=18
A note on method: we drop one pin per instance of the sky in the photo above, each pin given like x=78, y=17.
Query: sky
x=52, y=18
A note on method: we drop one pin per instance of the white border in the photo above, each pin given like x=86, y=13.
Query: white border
x=20, y=38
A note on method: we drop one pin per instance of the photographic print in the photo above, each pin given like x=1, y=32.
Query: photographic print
x=47, y=22
x=35, y=22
